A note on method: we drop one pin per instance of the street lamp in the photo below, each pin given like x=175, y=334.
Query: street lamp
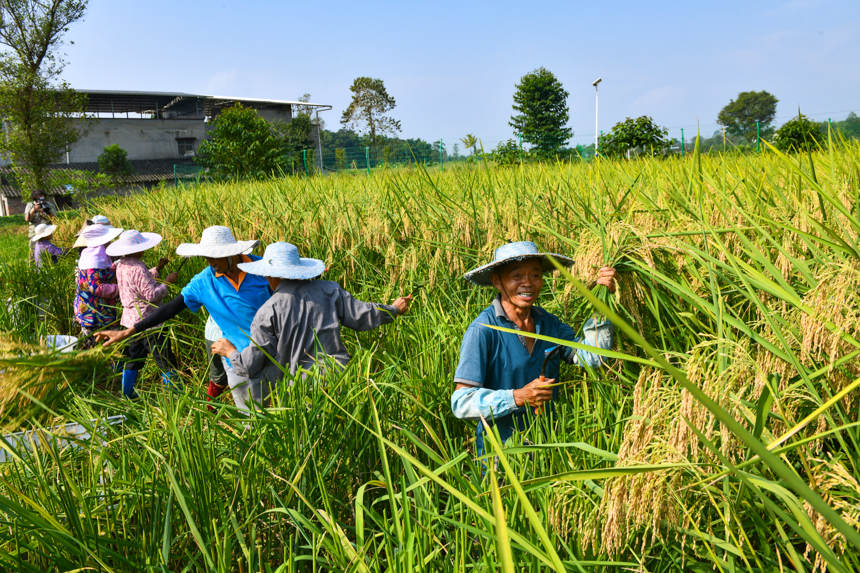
x=596, y=132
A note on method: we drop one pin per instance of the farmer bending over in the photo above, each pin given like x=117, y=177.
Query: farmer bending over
x=498, y=376
x=299, y=326
x=231, y=296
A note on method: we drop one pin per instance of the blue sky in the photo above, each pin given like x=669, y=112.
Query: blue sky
x=452, y=66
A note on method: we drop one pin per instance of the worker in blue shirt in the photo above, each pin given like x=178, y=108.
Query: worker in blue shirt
x=232, y=298
x=498, y=376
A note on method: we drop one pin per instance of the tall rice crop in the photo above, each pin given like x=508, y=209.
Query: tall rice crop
x=723, y=433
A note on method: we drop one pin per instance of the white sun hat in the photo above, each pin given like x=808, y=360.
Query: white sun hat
x=95, y=235
x=216, y=242
x=100, y=220
x=42, y=230
x=282, y=260
x=132, y=241
x=515, y=252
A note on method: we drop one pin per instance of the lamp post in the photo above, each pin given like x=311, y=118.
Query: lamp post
x=596, y=132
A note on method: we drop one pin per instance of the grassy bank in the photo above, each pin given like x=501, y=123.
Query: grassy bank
x=723, y=435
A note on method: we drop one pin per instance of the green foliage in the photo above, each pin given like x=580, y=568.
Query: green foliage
x=470, y=141
x=114, y=161
x=640, y=135
x=798, y=134
x=740, y=115
x=241, y=145
x=540, y=103
x=37, y=106
x=508, y=153
x=368, y=108
x=722, y=436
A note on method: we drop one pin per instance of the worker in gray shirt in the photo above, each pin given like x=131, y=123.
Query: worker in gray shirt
x=299, y=325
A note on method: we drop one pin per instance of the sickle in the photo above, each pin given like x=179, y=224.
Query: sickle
x=548, y=353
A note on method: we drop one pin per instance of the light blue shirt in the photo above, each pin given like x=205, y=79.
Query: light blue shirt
x=496, y=363
x=232, y=310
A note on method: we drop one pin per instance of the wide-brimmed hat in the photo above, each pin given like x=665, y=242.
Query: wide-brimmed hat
x=282, y=260
x=95, y=235
x=215, y=243
x=41, y=231
x=100, y=220
x=132, y=241
x=514, y=252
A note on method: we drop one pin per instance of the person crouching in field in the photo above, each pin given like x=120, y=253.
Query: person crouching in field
x=299, y=326
x=499, y=374
x=43, y=248
x=95, y=285
x=140, y=294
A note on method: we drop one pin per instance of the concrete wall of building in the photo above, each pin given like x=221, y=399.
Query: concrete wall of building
x=141, y=138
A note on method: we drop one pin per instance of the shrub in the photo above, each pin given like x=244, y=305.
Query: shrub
x=798, y=134
x=114, y=161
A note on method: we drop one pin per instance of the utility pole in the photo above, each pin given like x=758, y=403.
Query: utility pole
x=596, y=128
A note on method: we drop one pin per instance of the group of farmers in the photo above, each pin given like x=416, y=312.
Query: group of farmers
x=273, y=316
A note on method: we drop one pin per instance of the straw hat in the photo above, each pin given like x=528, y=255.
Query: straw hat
x=42, y=230
x=132, y=241
x=282, y=260
x=215, y=243
x=514, y=252
x=95, y=235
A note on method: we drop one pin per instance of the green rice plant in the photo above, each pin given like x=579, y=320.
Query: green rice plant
x=721, y=435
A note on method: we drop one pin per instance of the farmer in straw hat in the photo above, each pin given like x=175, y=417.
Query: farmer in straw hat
x=499, y=374
x=299, y=326
x=140, y=294
x=230, y=295
x=95, y=284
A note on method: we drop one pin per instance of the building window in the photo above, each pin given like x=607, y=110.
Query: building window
x=186, y=146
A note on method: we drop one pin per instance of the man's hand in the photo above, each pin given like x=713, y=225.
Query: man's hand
x=402, y=304
x=223, y=347
x=171, y=278
x=113, y=336
x=606, y=277
x=535, y=393
x=162, y=262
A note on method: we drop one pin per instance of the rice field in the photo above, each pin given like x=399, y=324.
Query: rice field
x=722, y=435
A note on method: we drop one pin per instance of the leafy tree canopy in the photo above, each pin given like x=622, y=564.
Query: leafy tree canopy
x=798, y=134
x=640, y=134
x=368, y=110
x=114, y=161
x=739, y=117
x=540, y=103
x=38, y=107
x=241, y=145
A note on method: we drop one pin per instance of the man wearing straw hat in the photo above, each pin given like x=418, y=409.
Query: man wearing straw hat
x=501, y=376
x=298, y=328
x=231, y=297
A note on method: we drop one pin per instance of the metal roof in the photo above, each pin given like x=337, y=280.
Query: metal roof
x=121, y=101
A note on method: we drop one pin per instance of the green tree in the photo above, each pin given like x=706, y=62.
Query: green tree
x=739, y=117
x=369, y=108
x=540, y=103
x=114, y=161
x=798, y=134
x=470, y=142
x=640, y=134
x=241, y=145
x=39, y=108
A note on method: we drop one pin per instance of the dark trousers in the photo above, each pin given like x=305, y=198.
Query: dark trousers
x=155, y=343
x=216, y=366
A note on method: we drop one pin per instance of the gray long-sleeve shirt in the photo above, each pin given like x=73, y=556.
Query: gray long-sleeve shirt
x=300, y=323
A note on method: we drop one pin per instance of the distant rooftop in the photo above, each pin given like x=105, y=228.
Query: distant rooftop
x=175, y=104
